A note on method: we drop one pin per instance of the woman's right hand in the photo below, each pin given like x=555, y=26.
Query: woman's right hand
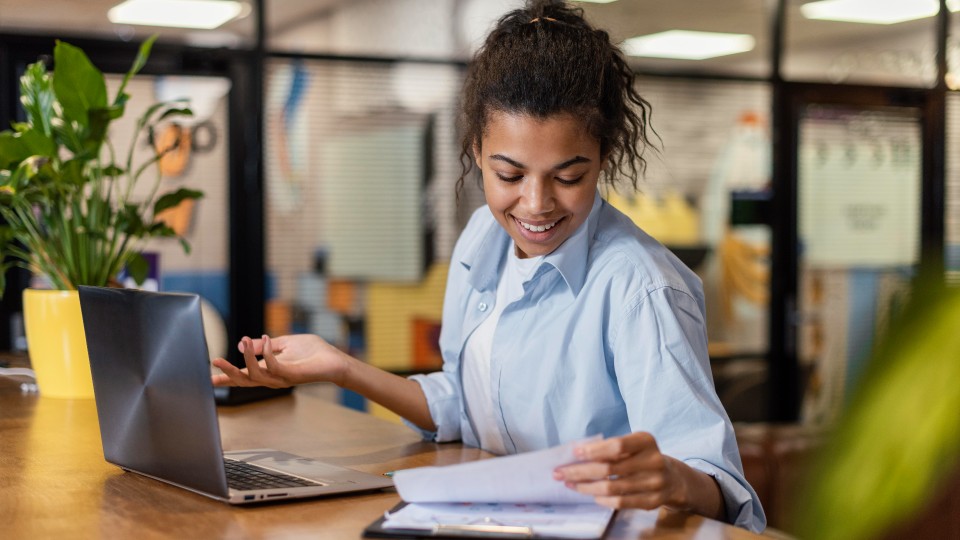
x=285, y=361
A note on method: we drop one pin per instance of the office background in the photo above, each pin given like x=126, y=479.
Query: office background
x=807, y=180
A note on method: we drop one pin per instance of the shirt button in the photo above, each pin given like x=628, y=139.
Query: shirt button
x=482, y=306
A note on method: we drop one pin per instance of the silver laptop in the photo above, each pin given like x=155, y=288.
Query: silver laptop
x=155, y=403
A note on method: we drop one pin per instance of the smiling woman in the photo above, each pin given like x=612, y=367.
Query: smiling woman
x=561, y=318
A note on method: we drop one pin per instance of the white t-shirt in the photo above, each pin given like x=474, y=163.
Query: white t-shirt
x=476, y=352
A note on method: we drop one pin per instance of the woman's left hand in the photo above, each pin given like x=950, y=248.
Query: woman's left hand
x=630, y=472
x=623, y=472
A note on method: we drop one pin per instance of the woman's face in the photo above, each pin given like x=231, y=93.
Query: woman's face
x=539, y=177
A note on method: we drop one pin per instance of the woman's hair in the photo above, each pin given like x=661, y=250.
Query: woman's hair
x=545, y=59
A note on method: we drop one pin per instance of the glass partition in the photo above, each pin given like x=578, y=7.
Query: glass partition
x=361, y=162
x=199, y=162
x=859, y=188
x=714, y=159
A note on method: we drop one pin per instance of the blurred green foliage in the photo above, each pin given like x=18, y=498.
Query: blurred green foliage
x=899, y=438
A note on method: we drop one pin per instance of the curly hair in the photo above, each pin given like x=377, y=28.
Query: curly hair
x=545, y=59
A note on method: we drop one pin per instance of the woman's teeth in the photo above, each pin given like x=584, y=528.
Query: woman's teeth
x=537, y=228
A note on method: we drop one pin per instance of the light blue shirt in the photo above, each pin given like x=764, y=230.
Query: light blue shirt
x=609, y=338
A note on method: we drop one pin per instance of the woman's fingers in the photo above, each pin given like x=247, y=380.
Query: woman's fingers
x=257, y=372
x=231, y=376
x=250, y=359
x=275, y=370
x=277, y=344
x=221, y=379
x=616, y=448
x=621, y=456
x=646, y=462
x=621, y=485
x=269, y=355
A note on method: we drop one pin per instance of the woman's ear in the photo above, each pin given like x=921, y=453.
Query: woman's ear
x=605, y=163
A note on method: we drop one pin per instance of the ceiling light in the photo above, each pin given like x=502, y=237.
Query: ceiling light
x=204, y=14
x=874, y=11
x=688, y=45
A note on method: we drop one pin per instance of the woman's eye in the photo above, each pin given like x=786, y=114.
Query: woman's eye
x=570, y=181
x=507, y=178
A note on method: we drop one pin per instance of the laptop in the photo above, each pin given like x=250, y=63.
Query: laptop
x=155, y=404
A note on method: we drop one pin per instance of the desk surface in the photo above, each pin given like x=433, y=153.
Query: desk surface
x=54, y=482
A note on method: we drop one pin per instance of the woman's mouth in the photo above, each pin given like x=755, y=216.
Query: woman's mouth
x=537, y=228
x=538, y=232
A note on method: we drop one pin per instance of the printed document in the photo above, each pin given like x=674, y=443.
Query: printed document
x=509, y=491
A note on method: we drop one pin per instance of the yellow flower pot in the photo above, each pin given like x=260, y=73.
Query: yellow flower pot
x=56, y=343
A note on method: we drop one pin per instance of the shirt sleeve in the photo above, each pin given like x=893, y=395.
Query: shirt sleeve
x=663, y=372
x=444, y=402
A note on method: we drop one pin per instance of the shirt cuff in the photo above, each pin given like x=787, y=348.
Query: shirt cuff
x=444, y=407
x=742, y=505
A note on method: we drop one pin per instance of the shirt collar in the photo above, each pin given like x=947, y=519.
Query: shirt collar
x=570, y=259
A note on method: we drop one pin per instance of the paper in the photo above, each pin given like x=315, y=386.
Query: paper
x=520, y=478
x=567, y=521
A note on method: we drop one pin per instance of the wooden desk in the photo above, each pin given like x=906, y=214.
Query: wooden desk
x=54, y=482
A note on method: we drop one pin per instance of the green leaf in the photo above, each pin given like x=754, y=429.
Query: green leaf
x=161, y=230
x=99, y=123
x=130, y=222
x=138, y=63
x=37, y=96
x=13, y=150
x=15, y=181
x=171, y=200
x=15, y=147
x=72, y=172
x=39, y=143
x=77, y=83
x=68, y=134
x=138, y=267
x=145, y=117
x=185, y=245
x=175, y=111
x=113, y=170
x=34, y=166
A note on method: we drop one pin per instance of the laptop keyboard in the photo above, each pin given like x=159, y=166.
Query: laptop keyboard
x=243, y=476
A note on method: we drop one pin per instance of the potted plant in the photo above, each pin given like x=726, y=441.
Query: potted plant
x=69, y=204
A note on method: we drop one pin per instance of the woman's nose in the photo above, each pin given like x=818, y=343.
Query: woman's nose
x=537, y=196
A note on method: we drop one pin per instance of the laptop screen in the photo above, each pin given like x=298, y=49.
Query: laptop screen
x=151, y=380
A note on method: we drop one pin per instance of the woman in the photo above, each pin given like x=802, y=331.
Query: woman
x=561, y=318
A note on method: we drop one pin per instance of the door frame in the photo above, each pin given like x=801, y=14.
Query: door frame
x=789, y=100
